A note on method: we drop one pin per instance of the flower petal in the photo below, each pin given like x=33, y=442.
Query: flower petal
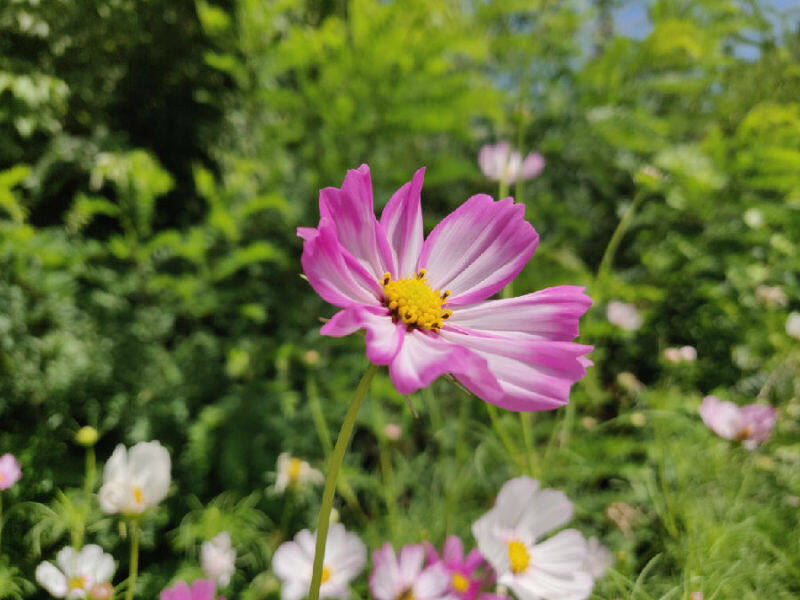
x=402, y=221
x=551, y=313
x=410, y=561
x=384, y=580
x=561, y=554
x=538, y=583
x=453, y=550
x=289, y=560
x=721, y=417
x=425, y=356
x=334, y=273
x=532, y=166
x=384, y=337
x=150, y=466
x=432, y=583
x=51, y=579
x=351, y=210
x=534, y=374
x=478, y=248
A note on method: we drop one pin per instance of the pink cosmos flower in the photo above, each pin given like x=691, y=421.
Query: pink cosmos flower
x=10, y=472
x=499, y=162
x=467, y=577
x=424, y=302
x=201, y=589
x=404, y=576
x=750, y=424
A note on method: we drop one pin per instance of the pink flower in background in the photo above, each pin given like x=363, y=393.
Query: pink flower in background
x=404, y=576
x=623, y=315
x=682, y=354
x=201, y=589
x=750, y=424
x=466, y=574
x=10, y=472
x=424, y=302
x=499, y=162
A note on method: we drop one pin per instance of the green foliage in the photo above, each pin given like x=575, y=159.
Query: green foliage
x=156, y=157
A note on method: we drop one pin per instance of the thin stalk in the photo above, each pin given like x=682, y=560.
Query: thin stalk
x=333, y=473
x=133, y=571
x=619, y=233
x=530, y=453
x=501, y=433
x=89, y=478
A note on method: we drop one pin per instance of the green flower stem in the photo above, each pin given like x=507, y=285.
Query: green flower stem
x=333, y=474
x=512, y=450
x=89, y=478
x=616, y=237
x=133, y=571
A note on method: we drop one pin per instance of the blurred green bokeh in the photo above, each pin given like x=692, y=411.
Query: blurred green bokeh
x=156, y=157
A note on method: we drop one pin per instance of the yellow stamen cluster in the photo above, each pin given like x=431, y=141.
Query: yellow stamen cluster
x=76, y=583
x=326, y=574
x=138, y=495
x=295, y=464
x=459, y=582
x=415, y=302
x=407, y=595
x=518, y=556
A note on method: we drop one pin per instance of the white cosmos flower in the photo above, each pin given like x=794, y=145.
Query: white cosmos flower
x=135, y=479
x=508, y=536
x=345, y=557
x=77, y=574
x=295, y=472
x=218, y=558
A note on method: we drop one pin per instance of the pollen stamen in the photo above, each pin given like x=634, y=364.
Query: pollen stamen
x=413, y=301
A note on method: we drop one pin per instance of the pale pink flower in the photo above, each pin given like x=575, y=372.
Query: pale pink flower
x=682, y=354
x=424, y=302
x=623, y=315
x=499, y=162
x=672, y=355
x=750, y=424
x=393, y=431
x=404, y=576
x=509, y=536
x=688, y=353
x=218, y=558
x=772, y=295
x=201, y=589
x=10, y=472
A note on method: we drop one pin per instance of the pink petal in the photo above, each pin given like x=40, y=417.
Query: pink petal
x=424, y=356
x=334, y=274
x=492, y=160
x=473, y=560
x=203, y=589
x=721, y=417
x=551, y=313
x=180, y=591
x=534, y=374
x=453, y=550
x=384, y=580
x=384, y=337
x=351, y=210
x=410, y=562
x=478, y=248
x=760, y=418
x=402, y=221
x=532, y=166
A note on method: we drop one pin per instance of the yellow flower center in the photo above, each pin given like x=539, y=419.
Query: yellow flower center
x=326, y=574
x=415, y=302
x=518, y=556
x=295, y=464
x=745, y=433
x=138, y=495
x=76, y=583
x=459, y=582
x=407, y=595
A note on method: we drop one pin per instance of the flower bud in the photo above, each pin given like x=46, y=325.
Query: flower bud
x=87, y=436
